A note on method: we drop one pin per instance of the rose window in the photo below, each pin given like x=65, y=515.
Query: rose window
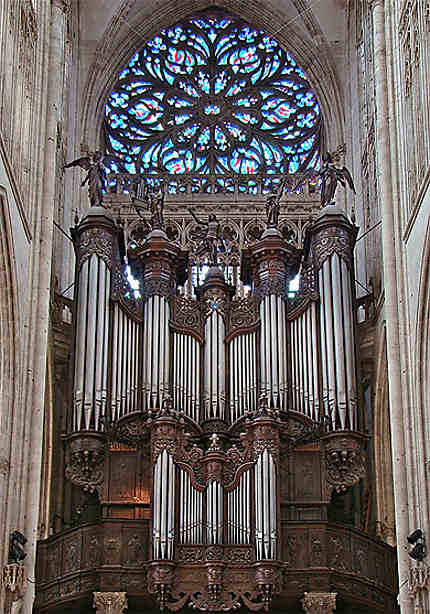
x=212, y=95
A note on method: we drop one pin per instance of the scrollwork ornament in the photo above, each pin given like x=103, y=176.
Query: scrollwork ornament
x=110, y=602
x=94, y=241
x=242, y=314
x=187, y=314
x=333, y=240
x=319, y=603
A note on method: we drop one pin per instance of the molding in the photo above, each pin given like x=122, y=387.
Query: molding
x=425, y=185
x=16, y=193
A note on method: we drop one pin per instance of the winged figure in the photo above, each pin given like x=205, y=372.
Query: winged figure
x=210, y=236
x=330, y=175
x=96, y=178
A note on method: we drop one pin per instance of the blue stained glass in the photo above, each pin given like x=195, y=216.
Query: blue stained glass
x=195, y=88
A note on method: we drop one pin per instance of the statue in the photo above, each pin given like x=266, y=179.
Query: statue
x=273, y=205
x=154, y=203
x=330, y=175
x=210, y=238
x=96, y=179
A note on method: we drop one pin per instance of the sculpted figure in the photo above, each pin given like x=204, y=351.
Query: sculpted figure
x=152, y=202
x=273, y=207
x=93, y=163
x=330, y=175
x=210, y=237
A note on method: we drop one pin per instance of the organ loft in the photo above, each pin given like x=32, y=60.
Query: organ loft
x=212, y=440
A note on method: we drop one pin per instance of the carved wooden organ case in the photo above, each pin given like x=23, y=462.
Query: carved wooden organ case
x=218, y=390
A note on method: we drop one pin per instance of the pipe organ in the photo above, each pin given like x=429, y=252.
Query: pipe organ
x=219, y=387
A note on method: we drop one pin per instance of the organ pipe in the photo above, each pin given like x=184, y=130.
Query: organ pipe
x=214, y=513
x=243, y=376
x=92, y=339
x=273, y=370
x=214, y=395
x=155, y=378
x=265, y=506
x=163, y=507
x=186, y=380
x=333, y=238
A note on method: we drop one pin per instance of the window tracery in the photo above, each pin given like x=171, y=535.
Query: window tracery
x=212, y=95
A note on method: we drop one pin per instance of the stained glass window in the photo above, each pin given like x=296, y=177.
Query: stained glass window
x=212, y=95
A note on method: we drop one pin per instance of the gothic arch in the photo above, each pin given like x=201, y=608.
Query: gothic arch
x=120, y=41
x=383, y=457
x=420, y=379
x=9, y=354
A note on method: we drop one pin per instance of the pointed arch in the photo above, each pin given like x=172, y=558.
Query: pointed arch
x=128, y=31
x=9, y=356
x=385, y=520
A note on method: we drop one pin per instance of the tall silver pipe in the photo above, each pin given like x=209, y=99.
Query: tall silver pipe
x=100, y=342
x=81, y=329
x=90, y=348
x=317, y=414
x=338, y=330
x=331, y=358
x=324, y=373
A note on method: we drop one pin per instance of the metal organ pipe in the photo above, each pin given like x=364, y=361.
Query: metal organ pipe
x=265, y=506
x=214, y=397
x=337, y=333
x=163, y=506
x=92, y=332
x=155, y=371
x=273, y=369
x=186, y=380
x=214, y=513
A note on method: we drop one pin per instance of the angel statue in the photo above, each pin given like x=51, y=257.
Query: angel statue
x=93, y=163
x=152, y=202
x=330, y=175
x=273, y=207
x=210, y=237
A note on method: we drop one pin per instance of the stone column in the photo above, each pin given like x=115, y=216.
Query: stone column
x=319, y=603
x=34, y=397
x=399, y=422
x=110, y=603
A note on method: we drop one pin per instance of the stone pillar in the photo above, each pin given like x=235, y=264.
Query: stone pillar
x=110, y=603
x=53, y=19
x=399, y=422
x=270, y=264
x=319, y=603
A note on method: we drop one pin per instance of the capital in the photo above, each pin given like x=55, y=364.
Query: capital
x=110, y=603
x=319, y=603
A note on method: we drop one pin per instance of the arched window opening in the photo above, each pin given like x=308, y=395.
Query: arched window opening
x=212, y=96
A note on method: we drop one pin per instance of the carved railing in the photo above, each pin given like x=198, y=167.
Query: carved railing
x=113, y=555
x=234, y=184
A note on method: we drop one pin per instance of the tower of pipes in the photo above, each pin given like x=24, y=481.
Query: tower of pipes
x=215, y=387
